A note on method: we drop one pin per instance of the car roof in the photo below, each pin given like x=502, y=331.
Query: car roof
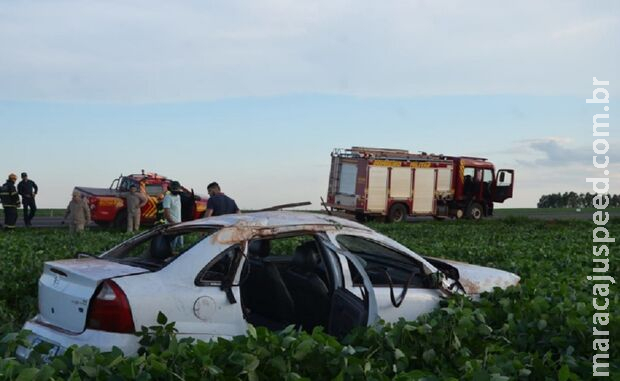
x=274, y=220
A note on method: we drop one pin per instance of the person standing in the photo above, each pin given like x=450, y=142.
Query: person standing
x=172, y=203
x=172, y=209
x=218, y=203
x=135, y=201
x=160, y=218
x=78, y=213
x=28, y=189
x=10, y=201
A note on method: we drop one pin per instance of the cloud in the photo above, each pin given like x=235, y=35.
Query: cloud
x=558, y=152
x=161, y=51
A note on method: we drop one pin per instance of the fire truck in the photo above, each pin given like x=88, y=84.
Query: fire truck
x=108, y=205
x=394, y=184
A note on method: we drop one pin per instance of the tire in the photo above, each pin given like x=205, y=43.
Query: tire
x=475, y=212
x=103, y=224
x=120, y=221
x=398, y=213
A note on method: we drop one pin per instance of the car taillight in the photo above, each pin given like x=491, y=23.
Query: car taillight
x=109, y=310
x=92, y=201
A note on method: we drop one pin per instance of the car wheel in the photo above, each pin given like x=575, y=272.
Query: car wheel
x=398, y=213
x=475, y=211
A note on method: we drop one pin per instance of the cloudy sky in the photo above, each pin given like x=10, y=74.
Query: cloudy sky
x=256, y=94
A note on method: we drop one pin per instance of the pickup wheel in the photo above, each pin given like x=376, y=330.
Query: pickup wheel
x=103, y=224
x=398, y=213
x=120, y=221
x=475, y=212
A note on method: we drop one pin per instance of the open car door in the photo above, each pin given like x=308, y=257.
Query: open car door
x=504, y=182
x=347, y=309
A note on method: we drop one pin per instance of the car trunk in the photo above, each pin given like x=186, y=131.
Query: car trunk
x=67, y=286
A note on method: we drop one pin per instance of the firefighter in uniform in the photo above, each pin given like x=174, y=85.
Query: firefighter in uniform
x=28, y=189
x=10, y=201
x=160, y=218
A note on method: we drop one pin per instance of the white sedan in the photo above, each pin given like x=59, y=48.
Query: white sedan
x=214, y=276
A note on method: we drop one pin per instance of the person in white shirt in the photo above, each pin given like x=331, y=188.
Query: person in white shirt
x=172, y=209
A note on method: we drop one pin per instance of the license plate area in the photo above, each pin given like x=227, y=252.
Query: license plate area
x=44, y=348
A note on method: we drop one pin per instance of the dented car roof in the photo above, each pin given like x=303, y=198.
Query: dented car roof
x=274, y=220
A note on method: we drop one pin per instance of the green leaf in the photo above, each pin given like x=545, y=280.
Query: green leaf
x=564, y=373
x=161, y=318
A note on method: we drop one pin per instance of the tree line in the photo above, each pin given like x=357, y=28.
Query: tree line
x=573, y=200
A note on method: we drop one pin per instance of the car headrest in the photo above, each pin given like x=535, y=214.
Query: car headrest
x=259, y=247
x=161, y=247
x=306, y=256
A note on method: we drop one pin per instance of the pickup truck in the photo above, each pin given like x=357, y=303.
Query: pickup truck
x=108, y=205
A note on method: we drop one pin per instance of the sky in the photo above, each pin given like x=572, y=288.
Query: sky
x=256, y=94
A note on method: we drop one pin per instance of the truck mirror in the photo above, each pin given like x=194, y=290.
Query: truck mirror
x=502, y=177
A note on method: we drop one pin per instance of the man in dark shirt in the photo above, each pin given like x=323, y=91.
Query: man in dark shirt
x=219, y=203
x=28, y=190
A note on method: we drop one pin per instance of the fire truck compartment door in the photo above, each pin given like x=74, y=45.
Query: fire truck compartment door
x=424, y=191
x=400, y=183
x=348, y=177
x=444, y=179
x=377, y=188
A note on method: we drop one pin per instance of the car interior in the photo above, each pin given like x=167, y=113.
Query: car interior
x=284, y=282
x=385, y=267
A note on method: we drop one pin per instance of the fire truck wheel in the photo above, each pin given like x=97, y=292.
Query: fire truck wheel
x=398, y=213
x=475, y=211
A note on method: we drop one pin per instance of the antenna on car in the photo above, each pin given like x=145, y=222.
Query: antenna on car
x=278, y=207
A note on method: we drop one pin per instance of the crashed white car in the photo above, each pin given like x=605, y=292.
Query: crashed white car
x=214, y=276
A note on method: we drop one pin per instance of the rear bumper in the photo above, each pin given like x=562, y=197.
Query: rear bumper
x=61, y=340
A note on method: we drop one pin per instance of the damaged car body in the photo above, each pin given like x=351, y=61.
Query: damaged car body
x=214, y=276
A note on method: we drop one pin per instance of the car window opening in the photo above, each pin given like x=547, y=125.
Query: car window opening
x=385, y=267
x=155, y=251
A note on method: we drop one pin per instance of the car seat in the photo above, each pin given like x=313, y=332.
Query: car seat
x=264, y=291
x=309, y=291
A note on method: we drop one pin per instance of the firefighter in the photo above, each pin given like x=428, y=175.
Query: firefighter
x=10, y=202
x=78, y=213
x=160, y=218
x=135, y=202
x=28, y=189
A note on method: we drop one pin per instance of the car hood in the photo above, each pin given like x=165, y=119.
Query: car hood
x=478, y=279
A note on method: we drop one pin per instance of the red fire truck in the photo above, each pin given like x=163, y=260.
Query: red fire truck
x=108, y=206
x=394, y=184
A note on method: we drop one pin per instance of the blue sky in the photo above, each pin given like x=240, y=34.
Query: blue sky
x=255, y=95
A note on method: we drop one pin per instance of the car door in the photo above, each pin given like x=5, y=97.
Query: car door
x=350, y=307
x=199, y=291
x=401, y=284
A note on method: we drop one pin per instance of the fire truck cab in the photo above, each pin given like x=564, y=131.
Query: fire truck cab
x=394, y=184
